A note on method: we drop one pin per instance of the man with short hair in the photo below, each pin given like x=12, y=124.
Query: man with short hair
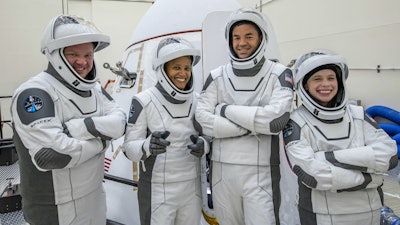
x=63, y=121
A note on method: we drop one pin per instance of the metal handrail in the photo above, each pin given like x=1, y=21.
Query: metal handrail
x=120, y=180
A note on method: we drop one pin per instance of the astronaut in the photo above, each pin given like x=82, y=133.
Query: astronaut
x=162, y=137
x=244, y=106
x=64, y=121
x=338, y=153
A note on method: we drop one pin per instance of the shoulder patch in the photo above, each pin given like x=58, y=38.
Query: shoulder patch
x=291, y=132
x=134, y=111
x=286, y=79
x=34, y=104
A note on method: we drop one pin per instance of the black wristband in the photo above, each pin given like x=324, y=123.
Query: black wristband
x=223, y=108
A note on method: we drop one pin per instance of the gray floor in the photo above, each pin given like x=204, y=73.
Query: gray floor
x=12, y=171
x=391, y=189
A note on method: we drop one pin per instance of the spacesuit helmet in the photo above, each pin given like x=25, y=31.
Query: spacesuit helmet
x=308, y=64
x=64, y=31
x=245, y=15
x=168, y=49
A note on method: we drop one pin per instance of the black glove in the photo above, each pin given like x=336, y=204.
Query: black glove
x=197, y=147
x=156, y=144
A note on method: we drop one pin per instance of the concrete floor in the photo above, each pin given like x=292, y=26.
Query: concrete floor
x=391, y=190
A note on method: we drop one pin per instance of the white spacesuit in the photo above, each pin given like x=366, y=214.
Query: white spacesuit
x=338, y=153
x=63, y=123
x=160, y=125
x=244, y=105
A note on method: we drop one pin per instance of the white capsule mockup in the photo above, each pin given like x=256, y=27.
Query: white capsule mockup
x=203, y=24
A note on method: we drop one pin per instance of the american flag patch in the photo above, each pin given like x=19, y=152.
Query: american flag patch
x=289, y=78
x=107, y=163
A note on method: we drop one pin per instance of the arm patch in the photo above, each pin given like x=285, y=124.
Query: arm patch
x=49, y=159
x=304, y=177
x=134, y=111
x=286, y=79
x=34, y=104
x=291, y=132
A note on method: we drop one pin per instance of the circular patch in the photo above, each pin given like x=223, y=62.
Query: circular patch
x=33, y=104
x=288, y=130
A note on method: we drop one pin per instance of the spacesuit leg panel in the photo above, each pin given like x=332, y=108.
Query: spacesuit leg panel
x=90, y=209
x=257, y=199
x=227, y=199
x=176, y=203
x=163, y=208
x=99, y=204
x=190, y=210
x=307, y=217
x=33, y=216
x=372, y=218
x=144, y=201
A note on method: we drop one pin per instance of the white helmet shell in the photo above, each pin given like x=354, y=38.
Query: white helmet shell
x=64, y=31
x=259, y=20
x=309, y=63
x=167, y=50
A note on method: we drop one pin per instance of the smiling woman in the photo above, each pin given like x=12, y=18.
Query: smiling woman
x=161, y=136
x=338, y=153
x=322, y=86
x=179, y=71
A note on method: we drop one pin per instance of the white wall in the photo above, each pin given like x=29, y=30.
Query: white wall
x=22, y=23
x=21, y=26
x=365, y=32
